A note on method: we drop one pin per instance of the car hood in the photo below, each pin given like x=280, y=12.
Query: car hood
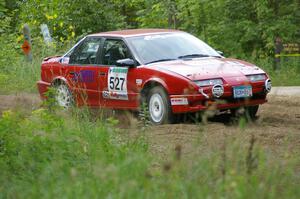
x=205, y=68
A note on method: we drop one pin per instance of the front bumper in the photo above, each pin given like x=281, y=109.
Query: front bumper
x=199, y=102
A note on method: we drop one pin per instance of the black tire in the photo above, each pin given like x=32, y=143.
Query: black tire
x=248, y=112
x=251, y=112
x=159, y=106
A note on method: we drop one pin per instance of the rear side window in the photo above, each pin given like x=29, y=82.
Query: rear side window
x=87, y=52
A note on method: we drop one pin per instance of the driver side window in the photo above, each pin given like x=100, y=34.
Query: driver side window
x=87, y=52
x=114, y=50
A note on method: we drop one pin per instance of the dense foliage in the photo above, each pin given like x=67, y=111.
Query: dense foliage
x=221, y=23
x=241, y=29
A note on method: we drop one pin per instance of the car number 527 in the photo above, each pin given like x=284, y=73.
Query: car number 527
x=116, y=83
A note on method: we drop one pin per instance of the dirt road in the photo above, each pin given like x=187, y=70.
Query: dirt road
x=277, y=130
x=24, y=101
x=277, y=127
x=286, y=91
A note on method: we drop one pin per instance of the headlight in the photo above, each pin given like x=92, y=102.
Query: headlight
x=256, y=78
x=209, y=82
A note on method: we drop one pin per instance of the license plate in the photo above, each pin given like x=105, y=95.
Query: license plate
x=242, y=91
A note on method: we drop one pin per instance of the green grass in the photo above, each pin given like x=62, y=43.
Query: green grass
x=47, y=154
x=287, y=75
x=21, y=76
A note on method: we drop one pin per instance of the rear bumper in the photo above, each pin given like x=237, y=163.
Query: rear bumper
x=43, y=88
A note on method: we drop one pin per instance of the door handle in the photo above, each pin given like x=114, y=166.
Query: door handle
x=102, y=74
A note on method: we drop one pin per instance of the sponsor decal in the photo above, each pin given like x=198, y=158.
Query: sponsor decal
x=85, y=76
x=138, y=82
x=113, y=95
x=179, y=101
x=209, y=62
x=235, y=63
x=152, y=37
x=117, y=83
x=105, y=94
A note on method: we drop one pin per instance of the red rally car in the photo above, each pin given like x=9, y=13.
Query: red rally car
x=171, y=71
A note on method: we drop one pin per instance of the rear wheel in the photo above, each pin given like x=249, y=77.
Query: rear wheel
x=63, y=96
x=159, y=106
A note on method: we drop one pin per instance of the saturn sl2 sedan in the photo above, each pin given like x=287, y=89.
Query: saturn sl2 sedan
x=170, y=71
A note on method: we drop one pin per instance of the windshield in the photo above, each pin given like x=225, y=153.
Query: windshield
x=169, y=46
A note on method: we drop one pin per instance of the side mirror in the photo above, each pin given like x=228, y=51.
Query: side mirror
x=64, y=60
x=125, y=62
x=220, y=52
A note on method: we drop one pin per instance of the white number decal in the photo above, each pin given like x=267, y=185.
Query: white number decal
x=117, y=83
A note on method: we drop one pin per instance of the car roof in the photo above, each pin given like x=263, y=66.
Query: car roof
x=134, y=32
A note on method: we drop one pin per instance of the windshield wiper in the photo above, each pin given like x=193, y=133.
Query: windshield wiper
x=193, y=56
x=160, y=60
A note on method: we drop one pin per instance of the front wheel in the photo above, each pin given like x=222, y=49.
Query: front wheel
x=251, y=112
x=248, y=112
x=159, y=106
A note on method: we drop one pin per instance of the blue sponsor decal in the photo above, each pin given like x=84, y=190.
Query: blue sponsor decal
x=85, y=76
